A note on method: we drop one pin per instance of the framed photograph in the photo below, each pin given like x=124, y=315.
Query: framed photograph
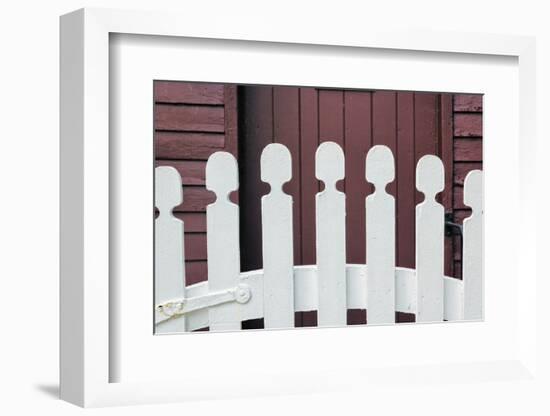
x=274, y=212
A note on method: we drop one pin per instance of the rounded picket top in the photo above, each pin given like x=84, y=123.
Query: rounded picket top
x=168, y=190
x=222, y=176
x=473, y=190
x=430, y=175
x=276, y=165
x=329, y=163
x=380, y=166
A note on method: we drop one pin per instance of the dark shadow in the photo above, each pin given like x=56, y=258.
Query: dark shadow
x=51, y=390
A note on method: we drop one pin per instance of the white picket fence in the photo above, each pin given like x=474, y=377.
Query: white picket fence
x=331, y=286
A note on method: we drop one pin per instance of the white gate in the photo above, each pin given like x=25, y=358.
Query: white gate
x=331, y=286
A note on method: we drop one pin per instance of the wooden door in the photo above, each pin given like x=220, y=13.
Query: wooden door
x=410, y=124
x=192, y=121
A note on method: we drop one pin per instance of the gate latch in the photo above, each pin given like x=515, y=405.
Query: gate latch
x=177, y=307
x=452, y=228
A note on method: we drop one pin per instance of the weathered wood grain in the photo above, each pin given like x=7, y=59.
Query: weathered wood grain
x=461, y=170
x=178, y=145
x=468, y=125
x=195, y=246
x=195, y=199
x=192, y=172
x=446, y=152
x=358, y=137
x=188, y=92
x=384, y=124
x=468, y=102
x=195, y=222
x=406, y=165
x=468, y=150
x=426, y=134
x=309, y=140
x=189, y=118
x=196, y=271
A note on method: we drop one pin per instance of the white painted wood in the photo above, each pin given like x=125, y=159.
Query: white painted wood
x=85, y=291
x=330, y=236
x=277, y=244
x=222, y=227
x=472, y=257
x=307, y=298
x=429, y=240
x=380, y=212
x=331, y=287
x=177, y=308
x=169, y=250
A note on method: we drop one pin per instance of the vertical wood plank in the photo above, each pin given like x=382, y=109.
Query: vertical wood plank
x=384, y=124
x=380, y=209
x=222, y=228
x=358, y=141
x=256, y=110
x=425, y=128
x=331, y=238
x=309, y=140
x=331, y=116
x=446, y=152
x=405, y=185
x=473, y=247
x=286, y=130
x=169, y=250
x=276, y=166
x=429, y=240
x=230, y=118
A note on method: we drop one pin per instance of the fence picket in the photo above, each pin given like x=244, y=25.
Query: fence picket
x=277, y=244
x=222, y=228
x=281, y=288
x=472, y=261
x=169, y=250
x=331, y=236
x=380, y=212
x=429, y=240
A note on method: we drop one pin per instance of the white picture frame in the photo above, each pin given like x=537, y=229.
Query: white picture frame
x=89, y=298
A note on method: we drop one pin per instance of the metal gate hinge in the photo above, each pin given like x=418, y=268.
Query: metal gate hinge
x=177, y=307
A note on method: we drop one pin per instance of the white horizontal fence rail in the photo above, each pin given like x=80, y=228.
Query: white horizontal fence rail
x=330, y=287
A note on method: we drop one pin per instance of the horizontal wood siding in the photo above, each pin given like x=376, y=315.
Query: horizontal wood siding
x=468, y=155
x=192, y=121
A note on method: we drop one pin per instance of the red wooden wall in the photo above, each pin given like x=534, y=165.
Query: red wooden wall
x=468, y=155
x=411, y=124
x=192, y=121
